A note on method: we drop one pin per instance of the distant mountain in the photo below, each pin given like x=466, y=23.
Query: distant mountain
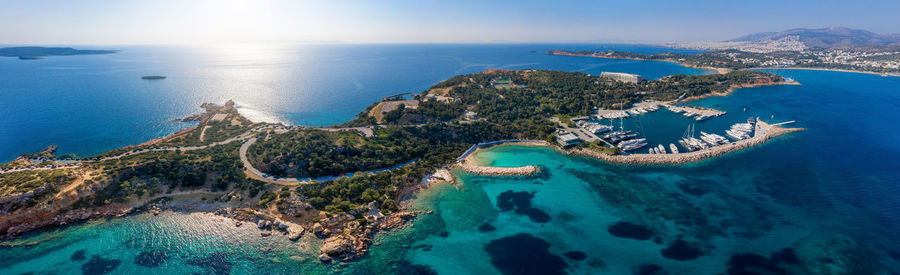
x=833, y=37
x=35, y=52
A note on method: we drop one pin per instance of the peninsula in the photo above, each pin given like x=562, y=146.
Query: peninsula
x=885, y=63
x=28, y=53
x=343, y=184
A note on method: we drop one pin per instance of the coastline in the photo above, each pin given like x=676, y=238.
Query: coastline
x=771, y=132
x=731, y=90
x=721, y=70
x=470, y=165
x=715, y=69
x=827, y=69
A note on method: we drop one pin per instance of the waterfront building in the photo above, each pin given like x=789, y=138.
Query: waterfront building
x=566, y=139
x=629, y=78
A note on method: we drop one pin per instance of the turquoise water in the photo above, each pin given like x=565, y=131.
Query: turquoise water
x=832, y=186
x=91, y=104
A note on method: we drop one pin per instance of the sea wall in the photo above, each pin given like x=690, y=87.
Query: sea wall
x=468, y=164
x=769, y=132
x=499, y=171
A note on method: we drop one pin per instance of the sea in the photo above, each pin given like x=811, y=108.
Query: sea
x=89, y=104
x=820, y=201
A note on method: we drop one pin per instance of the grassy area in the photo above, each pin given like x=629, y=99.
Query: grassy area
x=24, y=181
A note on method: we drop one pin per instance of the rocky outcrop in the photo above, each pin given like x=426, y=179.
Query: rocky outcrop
x=471, y=167
x=266, y=223
x=353, y=239
x=210, y=110
x=14, y=225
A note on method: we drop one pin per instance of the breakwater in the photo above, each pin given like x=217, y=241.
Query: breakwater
x=492, y=143
x=468, y=164
x=765, y=133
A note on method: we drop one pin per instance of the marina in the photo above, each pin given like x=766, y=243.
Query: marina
x=698, y=150
x=694, y=144
x=603, y=127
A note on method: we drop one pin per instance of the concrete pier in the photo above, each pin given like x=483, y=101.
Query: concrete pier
x=764, y=132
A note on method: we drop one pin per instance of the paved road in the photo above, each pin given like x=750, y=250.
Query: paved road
x=253, y=173
x=246, y=136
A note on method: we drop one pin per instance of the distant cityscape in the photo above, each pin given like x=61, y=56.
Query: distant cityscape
x=835, y=47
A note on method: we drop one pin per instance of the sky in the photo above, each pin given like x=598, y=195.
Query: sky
x=192, y=22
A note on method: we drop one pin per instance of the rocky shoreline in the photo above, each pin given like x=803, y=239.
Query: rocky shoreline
x=469, y=164
x=498, y=171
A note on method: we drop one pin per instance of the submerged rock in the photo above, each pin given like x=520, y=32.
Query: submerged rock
x=576, y=255
x=630, y=231
x=681, y=251
x=217, y=263
x=151, y=258
x=78, y=255
x=648, y=269
x=650, y=201
x=324, y=258
x=785, y=255
x=486, y=227
x=524, y=254
x=752, y=264
x=521, y=203
x=510, y=200
x=98, y=265
x=829, y=253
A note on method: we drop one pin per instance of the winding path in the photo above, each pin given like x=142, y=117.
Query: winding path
x=254, y=173
x=247, y=137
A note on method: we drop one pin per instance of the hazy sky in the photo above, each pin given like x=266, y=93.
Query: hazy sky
x=99, y=22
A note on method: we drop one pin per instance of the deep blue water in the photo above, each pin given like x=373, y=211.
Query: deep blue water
x=91, y=104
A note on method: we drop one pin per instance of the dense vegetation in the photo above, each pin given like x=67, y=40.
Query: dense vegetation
x=315, y=153
x=215, y=168
x=549, y=93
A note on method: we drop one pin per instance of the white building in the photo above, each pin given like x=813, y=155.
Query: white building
x=629, y=78
x=566, y=139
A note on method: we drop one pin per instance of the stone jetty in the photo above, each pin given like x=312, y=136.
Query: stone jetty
x=471, y=167
x=764, y=131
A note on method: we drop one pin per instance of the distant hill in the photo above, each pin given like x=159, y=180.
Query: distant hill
x=34, y=52
x=833, y=37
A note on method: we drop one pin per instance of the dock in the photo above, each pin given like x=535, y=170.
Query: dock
x=579, y=132
x=709, y=112
x=764, y=132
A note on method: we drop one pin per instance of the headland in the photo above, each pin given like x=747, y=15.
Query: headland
x=32, y=53
x=724, y=61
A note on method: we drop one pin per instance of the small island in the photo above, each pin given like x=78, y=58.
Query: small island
x=33, y=53
x=153, y=77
